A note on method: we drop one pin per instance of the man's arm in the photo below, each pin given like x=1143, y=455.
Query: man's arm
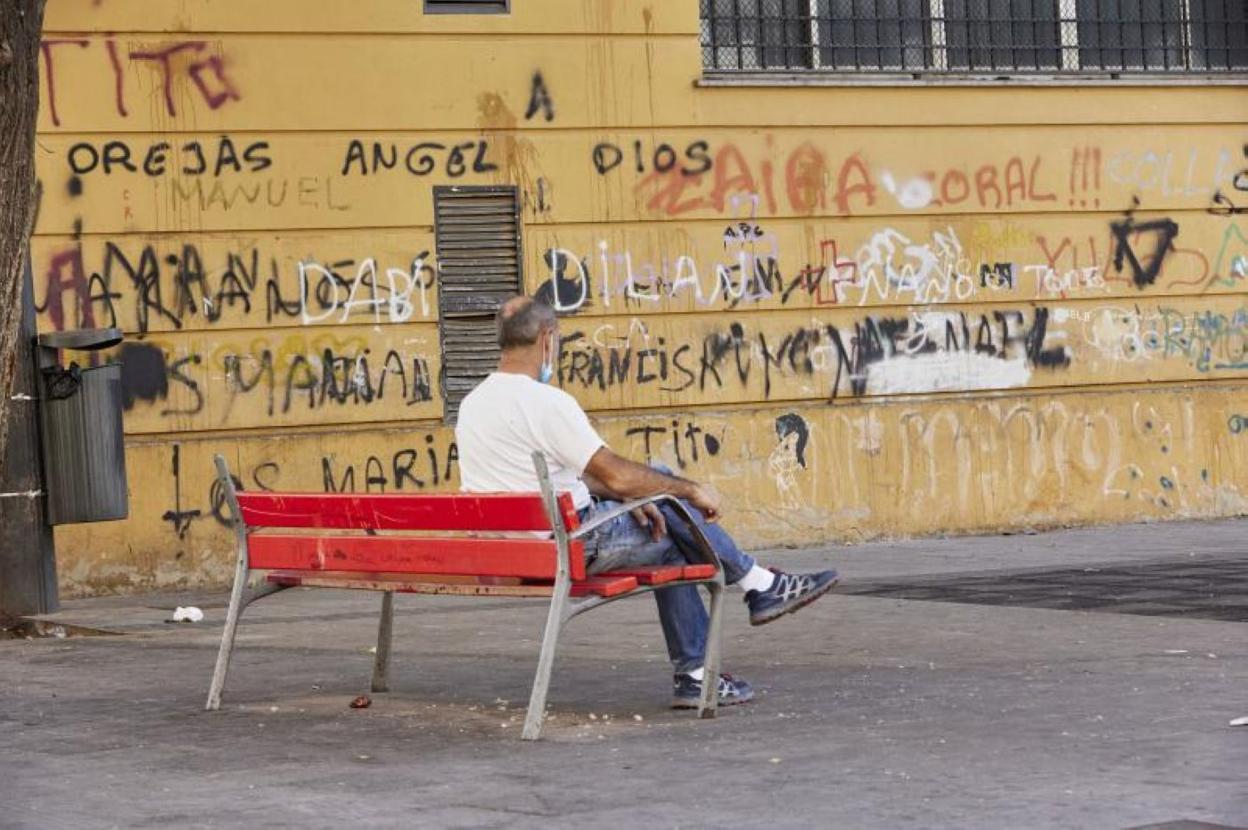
x=598, y=489
x=617, y=477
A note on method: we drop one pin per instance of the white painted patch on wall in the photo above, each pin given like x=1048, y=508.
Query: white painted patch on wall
x=870, y=434
x=948, y=372
x=914, y=194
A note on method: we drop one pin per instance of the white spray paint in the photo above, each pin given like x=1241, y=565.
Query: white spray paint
x=733, y=278
x=364, y=295
x=945, y=372
x=913, y=194
x=891, y=265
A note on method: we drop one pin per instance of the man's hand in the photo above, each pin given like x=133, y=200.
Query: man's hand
x=706, y=498
x=651, y=517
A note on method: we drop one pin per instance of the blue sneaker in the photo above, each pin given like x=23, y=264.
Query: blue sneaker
x=687, y=692
x=788, y=593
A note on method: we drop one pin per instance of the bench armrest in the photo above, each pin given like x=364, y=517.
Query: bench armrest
x=707, y=553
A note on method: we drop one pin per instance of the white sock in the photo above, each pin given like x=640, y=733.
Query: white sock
x=697, y=674
x=758, y=579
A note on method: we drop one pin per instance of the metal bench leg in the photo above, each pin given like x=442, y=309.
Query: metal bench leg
x=385, y=631
x=232, y=614
x=560, y=593
x=240, y=596
x=545, y=663
x=710, y=664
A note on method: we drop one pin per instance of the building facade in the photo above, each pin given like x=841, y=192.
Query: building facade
x=874, y=269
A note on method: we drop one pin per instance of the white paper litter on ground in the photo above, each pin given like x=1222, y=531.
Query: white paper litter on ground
x=187, y=614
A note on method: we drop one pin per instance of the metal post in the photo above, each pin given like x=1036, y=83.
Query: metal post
x=27, y=554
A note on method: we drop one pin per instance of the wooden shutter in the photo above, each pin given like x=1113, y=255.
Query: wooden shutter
x=479, y=266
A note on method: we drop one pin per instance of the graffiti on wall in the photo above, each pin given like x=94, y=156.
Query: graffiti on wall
x=172, y=67
x=750, y=263
x=179, y=383
x=151, y=284
x=676, y=178
x=875, y=354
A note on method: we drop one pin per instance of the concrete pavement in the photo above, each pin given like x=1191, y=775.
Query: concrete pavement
x=873, y=711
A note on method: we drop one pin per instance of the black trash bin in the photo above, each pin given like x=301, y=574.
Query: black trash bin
x=80, y=414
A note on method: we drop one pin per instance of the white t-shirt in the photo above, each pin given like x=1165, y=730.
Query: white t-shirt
x=509, y=416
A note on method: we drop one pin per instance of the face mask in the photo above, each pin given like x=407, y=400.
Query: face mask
x=547, y=372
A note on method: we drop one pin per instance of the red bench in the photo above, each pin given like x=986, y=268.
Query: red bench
x=444, y=544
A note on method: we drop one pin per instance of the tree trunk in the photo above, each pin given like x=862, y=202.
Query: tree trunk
x=27, y=549
x=21, y=22
x=27, y=555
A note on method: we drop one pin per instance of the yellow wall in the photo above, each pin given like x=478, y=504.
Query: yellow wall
x=988, y=307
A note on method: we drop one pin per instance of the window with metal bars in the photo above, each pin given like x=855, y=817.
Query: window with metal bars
x=975, y=37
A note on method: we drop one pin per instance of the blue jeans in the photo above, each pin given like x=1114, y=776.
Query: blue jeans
x=622, y=543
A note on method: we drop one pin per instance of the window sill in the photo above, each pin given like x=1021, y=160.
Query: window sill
x=849, y=79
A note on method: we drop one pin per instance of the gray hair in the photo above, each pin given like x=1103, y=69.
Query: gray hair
x=521, y=320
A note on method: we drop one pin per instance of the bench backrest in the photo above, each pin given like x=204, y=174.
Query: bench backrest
x=483, y=512
x=408, y=552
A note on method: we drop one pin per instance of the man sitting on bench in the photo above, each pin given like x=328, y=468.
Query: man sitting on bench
x=515, y=411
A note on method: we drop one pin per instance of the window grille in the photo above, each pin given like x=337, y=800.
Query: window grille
x=979, y=37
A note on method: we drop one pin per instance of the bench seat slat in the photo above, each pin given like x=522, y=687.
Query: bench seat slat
x=604, y=586
x=697, y=572
x=531, y=558
x=408, y=583
x=460, y=511
x=651, y=576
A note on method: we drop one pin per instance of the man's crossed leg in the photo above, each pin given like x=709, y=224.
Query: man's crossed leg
x=625, y=542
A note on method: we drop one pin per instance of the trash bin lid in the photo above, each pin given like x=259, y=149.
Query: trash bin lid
x=81, y=339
